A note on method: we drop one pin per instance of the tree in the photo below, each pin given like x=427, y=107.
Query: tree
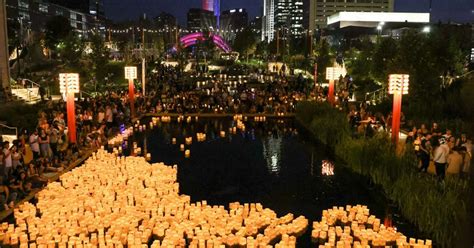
x=71, y=50
x=383, y=57
x=298, y=45
x=57, y=29
x=99, y=57
x=245, y=42
x=358, y=60
x=323, y=58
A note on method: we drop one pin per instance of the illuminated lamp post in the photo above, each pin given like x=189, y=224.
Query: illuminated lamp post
x=398, y=86
x=332, y=73
x=69, y=85
x=131, y=74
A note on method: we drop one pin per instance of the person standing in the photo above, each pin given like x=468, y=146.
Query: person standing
x=44, y=144
x=7, y=159
x=424, y=152
x=440, y=158
x=109, y=117
x=16, y=157
x=33, y=140
x=53, y=140
x=455, y=162
x=468, y=148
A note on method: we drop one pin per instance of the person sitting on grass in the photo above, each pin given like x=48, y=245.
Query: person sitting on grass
x=20, y=185
x=35, y=176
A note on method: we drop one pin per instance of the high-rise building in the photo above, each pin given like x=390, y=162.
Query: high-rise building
x=286, y=15
x=231, y=21
x=296, y=18
x=34, y=14
x=268, y=20
x=234, y=19
x=200, y=20
x=320, y=10
x=169, y=26
x=165, y=21
x=92, y=7
x=256, y=26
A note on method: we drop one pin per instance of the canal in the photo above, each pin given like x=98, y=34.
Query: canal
x=271, y=162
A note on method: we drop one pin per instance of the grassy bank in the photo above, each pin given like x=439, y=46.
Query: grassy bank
x=437, y=209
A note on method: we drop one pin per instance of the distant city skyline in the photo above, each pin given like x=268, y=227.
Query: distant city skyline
x=122, y=10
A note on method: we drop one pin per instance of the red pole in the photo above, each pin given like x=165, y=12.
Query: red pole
x=331, y=92
x=71, y=117
x=131, y=96
x=397, y=108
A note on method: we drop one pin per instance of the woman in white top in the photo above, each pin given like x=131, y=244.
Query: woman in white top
x=7, y=158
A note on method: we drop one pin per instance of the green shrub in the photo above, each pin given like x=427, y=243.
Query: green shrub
x=328, y=125
x=20, y=115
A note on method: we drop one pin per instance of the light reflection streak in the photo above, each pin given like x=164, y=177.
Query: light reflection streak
x=272, y=153
x=327, y=168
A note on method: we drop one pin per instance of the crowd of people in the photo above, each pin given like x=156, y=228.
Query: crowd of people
x=215, y=94
x=33, y=159
x=450, y=154
x=447, y=153
x=30, y=161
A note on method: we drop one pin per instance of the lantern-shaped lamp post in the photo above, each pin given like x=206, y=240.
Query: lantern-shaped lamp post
x=69, y=85
x=398, y=86
x=131, y=74
x=332, y=73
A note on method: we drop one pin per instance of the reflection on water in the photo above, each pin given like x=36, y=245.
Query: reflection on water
x=271, y=152
x=327, y=168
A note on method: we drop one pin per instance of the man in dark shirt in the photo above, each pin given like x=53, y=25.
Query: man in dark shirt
x=424, y=152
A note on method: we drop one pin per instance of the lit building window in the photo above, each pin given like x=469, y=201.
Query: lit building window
x=43, y=8
x=23, y=4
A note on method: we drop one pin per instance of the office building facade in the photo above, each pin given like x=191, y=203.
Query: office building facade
x=320, y=10
x=234, y=19
x=284, y=15
x=92, y=7
x=268, y=20
x=200, y=20
x=33, y=14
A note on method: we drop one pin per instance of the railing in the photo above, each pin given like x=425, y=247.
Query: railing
x=11, y=128
x=20, y=87
x=376, y=96
x=33, y=84
x=28, y=85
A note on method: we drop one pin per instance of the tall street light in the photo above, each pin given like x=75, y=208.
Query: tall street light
x=398, y=86
x=332, y=73
x=131, y=74
x=69, y=85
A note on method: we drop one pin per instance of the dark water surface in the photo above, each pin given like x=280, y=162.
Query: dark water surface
x=271, y=163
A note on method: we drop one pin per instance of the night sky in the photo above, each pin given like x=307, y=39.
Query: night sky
x=119, y=10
